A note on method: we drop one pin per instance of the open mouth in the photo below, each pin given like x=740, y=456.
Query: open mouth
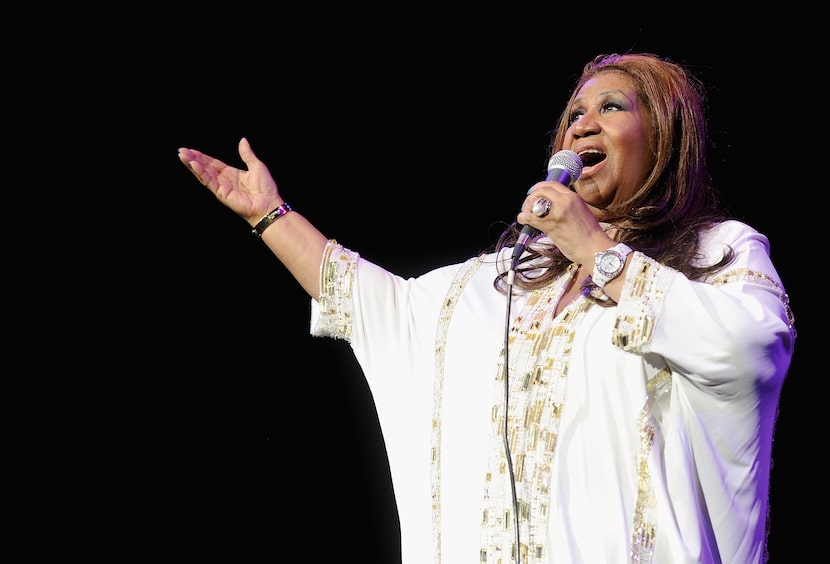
x=590, y=157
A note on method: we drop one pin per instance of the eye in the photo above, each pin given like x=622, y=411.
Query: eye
x=611, y=107
x=575, y=115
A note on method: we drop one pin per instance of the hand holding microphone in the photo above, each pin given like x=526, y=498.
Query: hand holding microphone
x=564, y=167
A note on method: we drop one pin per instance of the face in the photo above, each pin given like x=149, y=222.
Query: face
x=611, y=131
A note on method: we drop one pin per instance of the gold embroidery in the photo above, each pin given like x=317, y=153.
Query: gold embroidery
x=745, y=274
x=542, y=343
x=464, y=274
x=645, y=509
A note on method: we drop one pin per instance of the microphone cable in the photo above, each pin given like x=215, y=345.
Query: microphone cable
x=505, y=430
x=565, y=167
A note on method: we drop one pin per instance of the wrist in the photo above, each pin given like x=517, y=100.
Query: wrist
x=269, y=218
x=609, y=264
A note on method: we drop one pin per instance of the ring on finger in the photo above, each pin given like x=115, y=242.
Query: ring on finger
x=541, y=207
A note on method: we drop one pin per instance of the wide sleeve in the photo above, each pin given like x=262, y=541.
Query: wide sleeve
x=389, y=321
x=717, y=352
x=736, y=324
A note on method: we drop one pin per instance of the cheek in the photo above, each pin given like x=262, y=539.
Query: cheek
x=640, y=151
x=568, y=138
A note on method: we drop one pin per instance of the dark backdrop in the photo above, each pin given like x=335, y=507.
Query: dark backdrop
x=229, y=433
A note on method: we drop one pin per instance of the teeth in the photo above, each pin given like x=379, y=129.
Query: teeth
x=594, y=151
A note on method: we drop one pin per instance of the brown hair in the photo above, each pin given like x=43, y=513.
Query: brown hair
x=665, y=215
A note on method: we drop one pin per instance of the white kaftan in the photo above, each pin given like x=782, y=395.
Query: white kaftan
x=639, y=432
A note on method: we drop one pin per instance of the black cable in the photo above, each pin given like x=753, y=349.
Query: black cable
x=506, y=405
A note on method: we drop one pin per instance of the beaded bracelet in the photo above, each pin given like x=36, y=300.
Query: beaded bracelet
x=270, y=218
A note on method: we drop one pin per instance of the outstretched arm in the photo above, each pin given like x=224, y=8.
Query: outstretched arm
x=252, y=194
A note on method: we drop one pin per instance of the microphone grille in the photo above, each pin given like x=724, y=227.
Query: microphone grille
x=568, y=160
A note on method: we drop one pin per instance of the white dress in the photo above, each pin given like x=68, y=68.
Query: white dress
x=640, y=432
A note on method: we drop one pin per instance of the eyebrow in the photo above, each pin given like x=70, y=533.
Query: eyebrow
x=606, y=93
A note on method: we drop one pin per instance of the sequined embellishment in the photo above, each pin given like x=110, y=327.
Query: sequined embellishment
x=540, y=351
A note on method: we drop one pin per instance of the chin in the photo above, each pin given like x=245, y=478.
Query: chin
x=590, y=193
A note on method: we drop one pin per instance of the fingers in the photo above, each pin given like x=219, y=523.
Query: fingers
x=206, y=169
x=544, y=206
x=538, y=202
x=541, y=207
x=187, y=156
x=245, y=152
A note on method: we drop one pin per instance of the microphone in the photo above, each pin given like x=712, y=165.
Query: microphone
x=564, y=167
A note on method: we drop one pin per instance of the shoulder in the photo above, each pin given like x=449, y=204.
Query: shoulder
x=732, y=232
x=728, y=228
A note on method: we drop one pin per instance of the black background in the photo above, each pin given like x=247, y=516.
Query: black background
x=208, y=424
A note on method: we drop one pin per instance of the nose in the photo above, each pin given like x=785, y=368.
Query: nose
x=586, y=125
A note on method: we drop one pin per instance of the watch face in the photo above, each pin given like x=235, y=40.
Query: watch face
x=610, y=262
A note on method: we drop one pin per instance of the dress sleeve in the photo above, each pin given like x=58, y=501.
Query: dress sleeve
x=331, y=315
x=738, y=321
